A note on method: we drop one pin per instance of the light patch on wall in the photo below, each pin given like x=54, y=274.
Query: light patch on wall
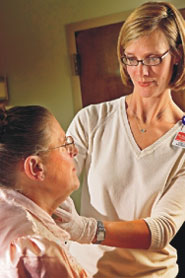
x=3, y=88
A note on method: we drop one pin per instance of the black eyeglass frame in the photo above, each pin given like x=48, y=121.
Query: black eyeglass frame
x=124, y=58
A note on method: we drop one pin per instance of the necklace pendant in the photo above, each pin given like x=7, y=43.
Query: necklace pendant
x=143, y=130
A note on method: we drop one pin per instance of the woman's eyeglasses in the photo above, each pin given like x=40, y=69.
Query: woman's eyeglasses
x=148, y=61
x=69, y=145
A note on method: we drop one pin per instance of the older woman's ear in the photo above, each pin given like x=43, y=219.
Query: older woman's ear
x=34, y=168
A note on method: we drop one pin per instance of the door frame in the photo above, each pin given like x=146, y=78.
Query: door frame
x=71, y=29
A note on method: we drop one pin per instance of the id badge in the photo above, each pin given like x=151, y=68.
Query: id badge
x=179, y=140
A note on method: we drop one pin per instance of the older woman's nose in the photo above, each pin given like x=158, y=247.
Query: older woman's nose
x=72, y=150
x=75, y=150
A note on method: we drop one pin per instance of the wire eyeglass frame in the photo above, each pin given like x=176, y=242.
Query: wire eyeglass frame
x=69, y=145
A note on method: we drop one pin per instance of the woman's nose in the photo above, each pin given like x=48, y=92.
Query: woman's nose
x=75, y=150
x=72, y=150
x=143, y=69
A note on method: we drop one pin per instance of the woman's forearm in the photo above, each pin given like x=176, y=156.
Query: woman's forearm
x=127, y=234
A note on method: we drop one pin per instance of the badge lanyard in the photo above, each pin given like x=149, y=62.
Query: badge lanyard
x=179, y=140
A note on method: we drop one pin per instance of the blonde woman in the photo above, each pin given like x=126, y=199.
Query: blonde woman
x=134, y=166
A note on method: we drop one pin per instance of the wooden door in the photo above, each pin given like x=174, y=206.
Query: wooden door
x=99, y=69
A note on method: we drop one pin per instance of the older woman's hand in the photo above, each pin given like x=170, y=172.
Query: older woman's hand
x=81, y=229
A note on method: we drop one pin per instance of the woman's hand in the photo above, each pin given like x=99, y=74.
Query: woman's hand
x=81, y=229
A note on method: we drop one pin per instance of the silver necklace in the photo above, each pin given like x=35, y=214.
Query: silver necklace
x=142, y=129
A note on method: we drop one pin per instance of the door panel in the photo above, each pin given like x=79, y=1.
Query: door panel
x=99, y=69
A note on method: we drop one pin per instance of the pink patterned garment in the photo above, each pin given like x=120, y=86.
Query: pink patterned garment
x=31, y=244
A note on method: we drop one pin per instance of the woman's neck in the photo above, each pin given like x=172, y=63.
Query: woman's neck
x=148, y=110
x=43, y=200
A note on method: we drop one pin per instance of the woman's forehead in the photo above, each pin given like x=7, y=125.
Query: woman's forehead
x=155, y=41
x=56, y=131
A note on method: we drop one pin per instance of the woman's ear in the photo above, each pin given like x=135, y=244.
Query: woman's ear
x=34, y=168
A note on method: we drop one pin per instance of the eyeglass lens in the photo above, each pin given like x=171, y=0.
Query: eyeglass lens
x=149, y=61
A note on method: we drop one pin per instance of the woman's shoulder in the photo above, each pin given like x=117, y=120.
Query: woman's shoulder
x=97, y=113
x=104, y=107
x=14, y=222
x=95, y=116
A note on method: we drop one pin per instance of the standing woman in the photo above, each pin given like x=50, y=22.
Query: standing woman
x=134, y=169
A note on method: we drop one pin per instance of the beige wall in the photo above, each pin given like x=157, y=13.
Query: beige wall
x=33, y=50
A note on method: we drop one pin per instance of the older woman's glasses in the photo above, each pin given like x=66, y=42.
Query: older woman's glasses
x=69, y=145
x=148, y=61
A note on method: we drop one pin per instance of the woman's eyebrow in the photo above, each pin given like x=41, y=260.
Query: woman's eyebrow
x=145, y=55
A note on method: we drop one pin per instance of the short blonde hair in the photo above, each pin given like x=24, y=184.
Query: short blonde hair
x=147, y=18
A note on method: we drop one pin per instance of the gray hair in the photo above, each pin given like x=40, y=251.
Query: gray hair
x=23, y=131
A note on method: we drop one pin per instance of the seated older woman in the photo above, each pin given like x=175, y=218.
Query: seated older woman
x=37, y=173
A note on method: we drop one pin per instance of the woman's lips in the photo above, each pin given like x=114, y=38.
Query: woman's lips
x=145, y=84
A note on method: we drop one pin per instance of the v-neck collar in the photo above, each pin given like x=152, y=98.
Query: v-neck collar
x=142, y=152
